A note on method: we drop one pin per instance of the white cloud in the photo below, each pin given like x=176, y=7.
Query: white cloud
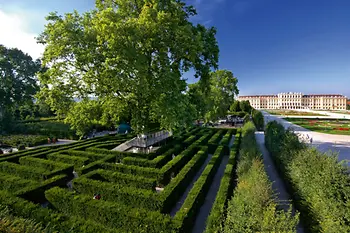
x=15, y=32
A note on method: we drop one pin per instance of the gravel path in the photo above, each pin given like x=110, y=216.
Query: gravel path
x=283, y=197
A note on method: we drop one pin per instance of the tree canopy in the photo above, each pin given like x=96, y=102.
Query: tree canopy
x=216, y=101
x=18, y=73
x=130, y=55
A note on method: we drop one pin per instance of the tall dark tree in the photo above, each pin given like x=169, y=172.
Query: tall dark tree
x=245, y=106
x=18, y=84
x=235, y=106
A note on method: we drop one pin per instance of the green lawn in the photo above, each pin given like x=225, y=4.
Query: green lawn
x=330, y=126
x=293, y=113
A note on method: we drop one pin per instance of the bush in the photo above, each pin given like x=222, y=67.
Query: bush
x=319, y=182
x=78, y=162
x=252, y=207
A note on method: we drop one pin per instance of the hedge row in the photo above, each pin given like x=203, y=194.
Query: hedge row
x=157, y=162
x=22, y=171
x=115, y=215
x=319, y=183
x=77, y=161
x=90, y=155
x=227, y=137
x=13, y=183
x=218, y=211
x=57, y=222
x=185, y=217
x=175, y=189
x=120, y=155
x=127, y=195
x=214, y=140
x=95, y=165
x=122, y=179
x=253, y=207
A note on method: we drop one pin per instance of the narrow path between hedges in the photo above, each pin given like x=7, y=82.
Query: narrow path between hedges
x=204, y=211
x=190, y=186
x=278, y=186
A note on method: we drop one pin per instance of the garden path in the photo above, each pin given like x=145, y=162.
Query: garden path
x=204, y=211
x=283, y=197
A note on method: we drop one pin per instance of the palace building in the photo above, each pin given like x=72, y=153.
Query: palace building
x=297, y=100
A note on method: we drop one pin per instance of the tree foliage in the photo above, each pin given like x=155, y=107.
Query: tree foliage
x=245, y=106
x=131, y=56
x=215, y=101
x=235, y=106
x=18, y=80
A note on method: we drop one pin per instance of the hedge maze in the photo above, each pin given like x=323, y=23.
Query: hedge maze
x=56, y=185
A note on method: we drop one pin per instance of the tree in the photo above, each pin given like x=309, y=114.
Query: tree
x=245, y=106
x=223, y=88
x=348, y=104
x=198, y=99
x=258, y=119
x=131, y=56
x=18, y=80
x=235, y=107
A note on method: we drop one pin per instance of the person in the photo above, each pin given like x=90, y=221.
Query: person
x=97, y=196
x=310, y=140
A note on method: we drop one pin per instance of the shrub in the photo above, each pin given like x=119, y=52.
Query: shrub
x=13, y=183
x=319, y=182
x=252, y=207
x=25, y=140
x=78, y=162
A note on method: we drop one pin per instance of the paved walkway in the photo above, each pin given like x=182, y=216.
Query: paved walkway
x=324, y=142
x=283, y=197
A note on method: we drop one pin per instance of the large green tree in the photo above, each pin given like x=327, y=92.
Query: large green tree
x=130, y=55
x=215, y=101
x=18, y=82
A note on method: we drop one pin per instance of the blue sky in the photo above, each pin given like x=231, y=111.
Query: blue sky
x=270, y=45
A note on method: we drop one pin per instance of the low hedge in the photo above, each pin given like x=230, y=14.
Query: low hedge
x=120, y=155
x=95, y=165
x=253, y=207
x=218, y=211
x=157, y=162
x=13, y=183
x=25, y=140
x=129, y=169
x=22, y=171
x=319, y=183
x=186, y=216
x=119, y=193
x=90, y=155
x=121, y=218
x=122, y=179
x=57, y=222
x=35, y=192
x=77, y=161
x=214, y=140
x=175, y=189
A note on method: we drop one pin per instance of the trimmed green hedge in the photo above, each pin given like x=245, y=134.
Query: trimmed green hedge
x=122, y=179
x=185, y=217
x=22, y=171
x=77, y=161
x=26, y=140
x=119, y=193
x=115, y=215
x=319, y=183
x=84, y=154
x=253, y=207
x=174, y=190
x=218, y=211
x=214, y=140
x=13, y=183
x=57, y=222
